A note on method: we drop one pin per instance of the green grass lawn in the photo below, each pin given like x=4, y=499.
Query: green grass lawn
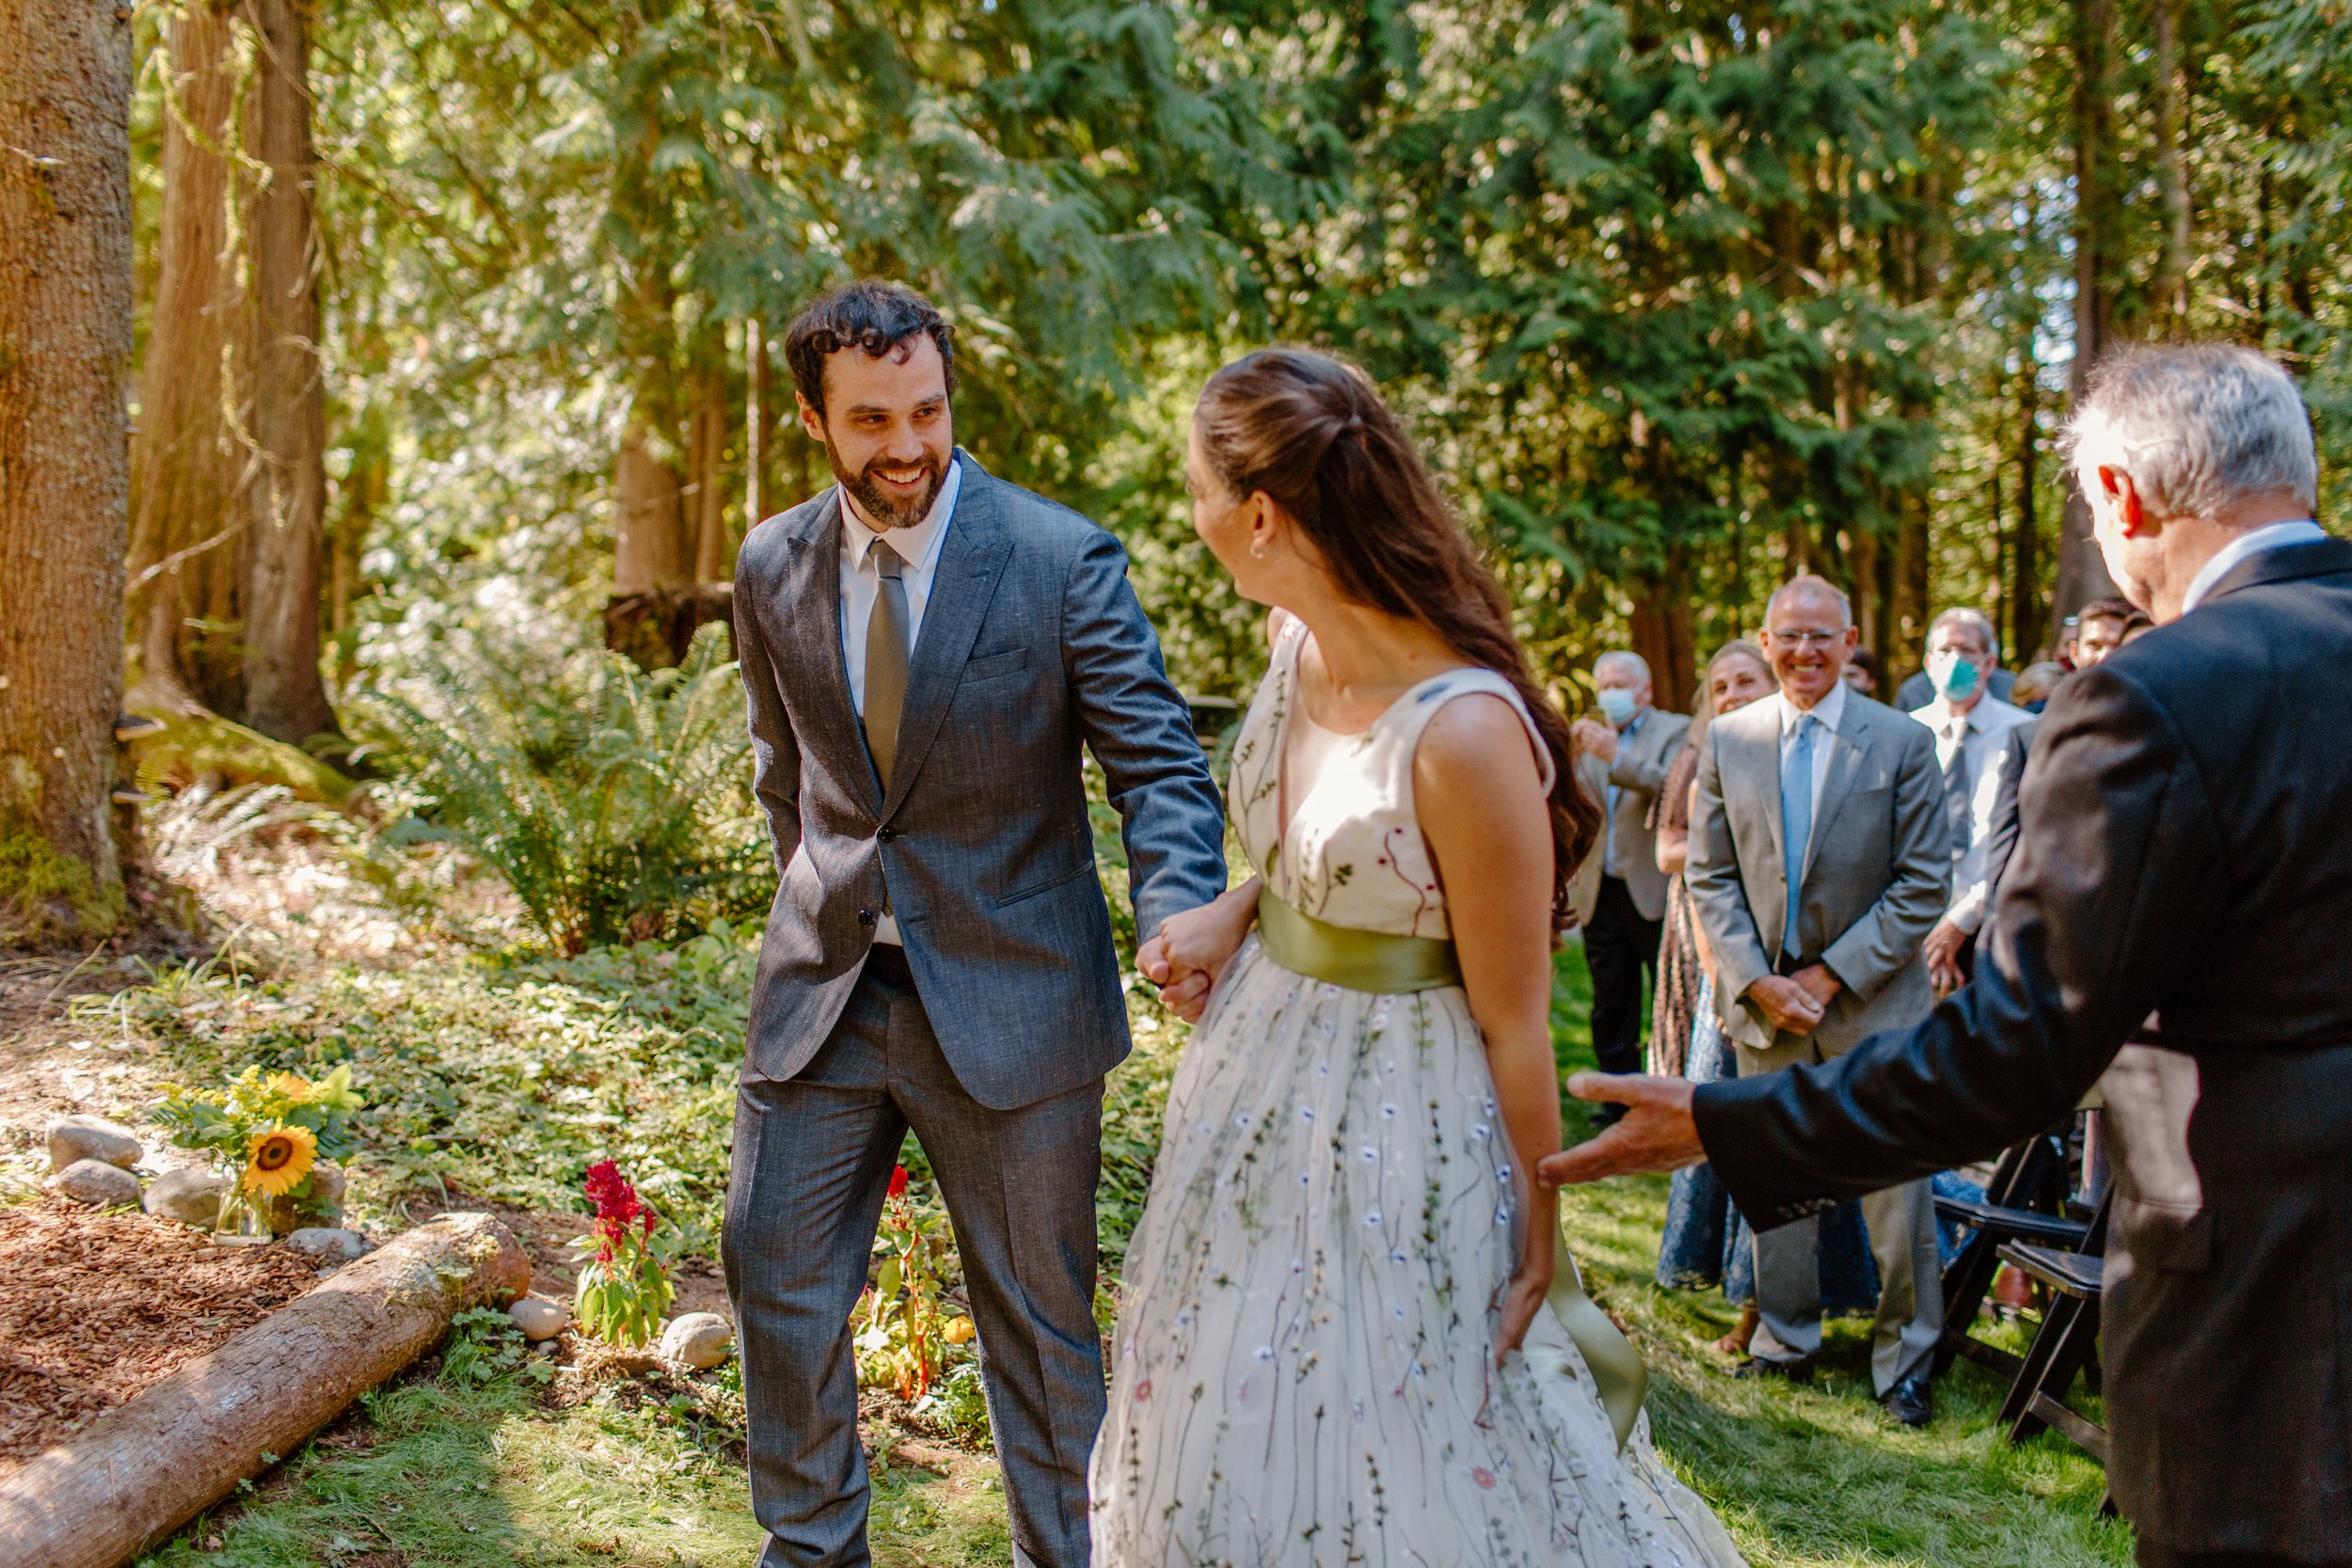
x=504, y=1080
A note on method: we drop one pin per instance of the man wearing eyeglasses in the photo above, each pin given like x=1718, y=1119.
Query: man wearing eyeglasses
x=1819, y=860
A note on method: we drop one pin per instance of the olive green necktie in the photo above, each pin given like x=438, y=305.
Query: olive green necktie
x=885, y=660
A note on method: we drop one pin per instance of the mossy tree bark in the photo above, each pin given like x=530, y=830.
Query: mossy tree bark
x=228, y=474
x=64, y=352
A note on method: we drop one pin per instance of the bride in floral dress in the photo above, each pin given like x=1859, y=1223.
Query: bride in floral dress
x=1339, y=1342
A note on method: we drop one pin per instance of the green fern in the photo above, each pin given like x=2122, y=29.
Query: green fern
x=615, y=803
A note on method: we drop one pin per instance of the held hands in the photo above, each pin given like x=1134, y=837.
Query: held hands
x=1189, y=951
x=1941, y=950
x=1597, y=737
x=1656, y=1132
x=1530, y=1285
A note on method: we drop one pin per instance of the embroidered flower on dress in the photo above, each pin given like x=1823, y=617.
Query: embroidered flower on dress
x=1373, y=1218
x=1143, y=1392
x=1485, y=1477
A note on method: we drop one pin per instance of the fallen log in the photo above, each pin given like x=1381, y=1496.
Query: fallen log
x=122, y=1483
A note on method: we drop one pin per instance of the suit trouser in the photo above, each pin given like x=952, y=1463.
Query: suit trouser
x=811, y=1168
x=1620, y=944
x=1901, y=1222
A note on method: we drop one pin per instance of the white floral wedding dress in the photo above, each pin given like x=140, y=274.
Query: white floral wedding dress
x=1303, y=1366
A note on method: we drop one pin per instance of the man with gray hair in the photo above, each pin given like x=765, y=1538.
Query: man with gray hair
x=1623, y=758
x=1972, y=731
x=2176, y=927
x=1819, y=859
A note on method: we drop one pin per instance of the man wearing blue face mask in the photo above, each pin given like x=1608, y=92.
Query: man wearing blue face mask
x=1625, y=758
x=1971, y=728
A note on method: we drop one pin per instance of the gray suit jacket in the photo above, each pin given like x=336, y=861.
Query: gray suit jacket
x=1639, y=769
x=1032, y=646
x=1877, y=874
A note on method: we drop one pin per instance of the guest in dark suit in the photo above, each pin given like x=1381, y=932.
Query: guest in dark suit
x=2175, y=926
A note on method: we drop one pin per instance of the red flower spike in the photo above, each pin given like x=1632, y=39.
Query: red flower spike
x=897, y=1182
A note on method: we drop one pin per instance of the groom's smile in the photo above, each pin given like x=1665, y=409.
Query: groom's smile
x=887, y=428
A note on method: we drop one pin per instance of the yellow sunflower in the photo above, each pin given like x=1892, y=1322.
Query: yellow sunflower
x=277, y=1159
x=290, y=1088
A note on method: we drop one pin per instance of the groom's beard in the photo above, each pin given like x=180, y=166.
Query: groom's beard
x=877, y=505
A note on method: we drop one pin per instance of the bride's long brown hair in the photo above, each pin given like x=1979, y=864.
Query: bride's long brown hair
x=1312, y=433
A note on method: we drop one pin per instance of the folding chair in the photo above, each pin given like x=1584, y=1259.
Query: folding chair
x=2026, y=1201
x=2066, y=1343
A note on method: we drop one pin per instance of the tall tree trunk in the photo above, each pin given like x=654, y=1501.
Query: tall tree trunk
x=65, y=353
x=228, y=471
x=649, y=547
x=2171, y=282
x=713, y=543
x=284, y=694
x=2025, y=587
x=1663, y=635
x=188, y=518
x=2082, y=576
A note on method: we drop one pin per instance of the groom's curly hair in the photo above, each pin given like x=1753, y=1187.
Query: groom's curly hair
x=1311, y=432
x=870, y=315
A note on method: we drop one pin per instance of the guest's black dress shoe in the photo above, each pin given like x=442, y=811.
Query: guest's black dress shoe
x=1791, y=1372
x=1909, y=1402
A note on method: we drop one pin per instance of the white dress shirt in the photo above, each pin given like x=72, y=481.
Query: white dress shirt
x=2272, y=536
x=918, y=549
x=1831, y=711
x=1982, y=734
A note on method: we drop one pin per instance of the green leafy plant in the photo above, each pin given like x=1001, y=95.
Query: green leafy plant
x=614, y=804
x=624, y=1286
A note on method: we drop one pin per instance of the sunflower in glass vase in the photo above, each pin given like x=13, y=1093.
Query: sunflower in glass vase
x=267, y=1137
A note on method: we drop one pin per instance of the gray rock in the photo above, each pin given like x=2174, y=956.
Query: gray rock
x=697, y=1339
x=190, y=1194
x=73, y=1139
x=538, y=1318
x=322, y=1242
x=324, y=1206
x=96, y=1182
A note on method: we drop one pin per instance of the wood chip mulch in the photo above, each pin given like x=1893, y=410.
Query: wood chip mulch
x=97, y=1305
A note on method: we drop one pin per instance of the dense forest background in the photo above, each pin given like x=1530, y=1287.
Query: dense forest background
x=1681, y=294
x=456, y=321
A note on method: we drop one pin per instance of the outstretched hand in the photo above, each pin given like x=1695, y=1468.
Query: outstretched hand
x=1656, y=1131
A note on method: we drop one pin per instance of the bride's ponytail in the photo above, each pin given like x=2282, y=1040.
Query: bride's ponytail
x=1311, y=432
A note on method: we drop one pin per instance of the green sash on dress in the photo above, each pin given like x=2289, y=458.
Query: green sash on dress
x=1386, y=964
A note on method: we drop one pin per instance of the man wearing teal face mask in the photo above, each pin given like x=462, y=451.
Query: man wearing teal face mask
x=1971, y=728
x=1624, y=756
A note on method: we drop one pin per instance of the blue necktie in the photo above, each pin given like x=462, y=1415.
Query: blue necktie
x=1796, y=823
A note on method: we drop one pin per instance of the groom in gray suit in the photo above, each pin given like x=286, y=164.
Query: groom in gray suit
x=1821, y=858
x=926, y=650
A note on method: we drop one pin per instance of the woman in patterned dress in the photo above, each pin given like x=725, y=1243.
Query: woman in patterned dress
x=1318, y=1359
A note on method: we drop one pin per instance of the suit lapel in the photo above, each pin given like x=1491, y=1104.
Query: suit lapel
x=971, y=559
x=810, y=598
x=1849, y=749
x=1763, y=778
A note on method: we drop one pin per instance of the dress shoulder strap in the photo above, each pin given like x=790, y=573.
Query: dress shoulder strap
x=1422, y=703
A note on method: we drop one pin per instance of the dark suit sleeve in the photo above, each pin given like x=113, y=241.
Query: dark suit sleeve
x=775, y=753
x=2003, y=842
x=2116, y=861
x=1885, y=940
x=1140, y=730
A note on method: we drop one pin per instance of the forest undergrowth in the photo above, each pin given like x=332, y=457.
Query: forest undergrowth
x=497, y=1078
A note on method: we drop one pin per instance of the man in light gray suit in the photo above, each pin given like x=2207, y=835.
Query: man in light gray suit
x=1624, y=761
x=926, y=650
x=1819, y=860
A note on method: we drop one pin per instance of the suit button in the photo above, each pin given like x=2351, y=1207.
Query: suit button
x=865, y=917
x=887, y=833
